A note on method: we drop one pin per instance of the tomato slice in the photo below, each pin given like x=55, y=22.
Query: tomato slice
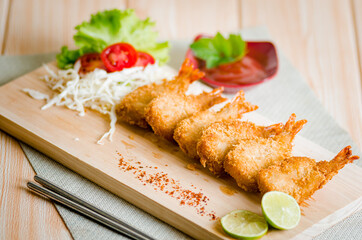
x=118, y=56
x=89, y=62
x=144, y=59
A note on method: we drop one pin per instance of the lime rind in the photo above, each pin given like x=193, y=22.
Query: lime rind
x=243, y=224
x=280, y=210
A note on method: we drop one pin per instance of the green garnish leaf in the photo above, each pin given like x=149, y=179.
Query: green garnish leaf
x=66, y=57
x=218, y=50
x=114, y=26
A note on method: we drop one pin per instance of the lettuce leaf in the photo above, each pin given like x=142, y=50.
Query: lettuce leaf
x=66, y=58
x=218, y=50
x=113, y=26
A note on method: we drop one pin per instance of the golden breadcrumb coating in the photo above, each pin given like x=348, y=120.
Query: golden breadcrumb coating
x=218, y=138
x=247, y=158
x=189, y=130
x=167, y=110
x=300, y=177
x=132, y=107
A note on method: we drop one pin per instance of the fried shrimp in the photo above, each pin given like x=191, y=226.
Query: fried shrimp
x=218, y=138
x=189, y=130
x=300, y=177
x=247, y=158
x=132, y=107
x=167, y=110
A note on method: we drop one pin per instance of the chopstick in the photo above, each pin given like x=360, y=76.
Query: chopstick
x=59, y=195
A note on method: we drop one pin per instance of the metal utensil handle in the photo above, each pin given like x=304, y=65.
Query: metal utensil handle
x=70, y=196
x=122, y=228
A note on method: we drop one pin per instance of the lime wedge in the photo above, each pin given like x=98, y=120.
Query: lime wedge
x=280, y=210
x=244, y=224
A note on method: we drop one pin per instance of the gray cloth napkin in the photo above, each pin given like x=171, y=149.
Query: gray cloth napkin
x=277, y=99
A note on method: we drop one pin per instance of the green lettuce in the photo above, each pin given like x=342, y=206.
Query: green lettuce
x=113, y=26
x=66, y=58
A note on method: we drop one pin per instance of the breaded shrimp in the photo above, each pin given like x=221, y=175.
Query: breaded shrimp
x=167, y=110
x=300, y=177
x=132, y=107
x=189, y=130
x=218, y=138
x=247, y=158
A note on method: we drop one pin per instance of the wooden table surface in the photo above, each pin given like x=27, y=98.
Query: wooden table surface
x=323, y=39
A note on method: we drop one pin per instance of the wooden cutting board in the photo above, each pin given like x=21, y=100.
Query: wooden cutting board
x=154, y=174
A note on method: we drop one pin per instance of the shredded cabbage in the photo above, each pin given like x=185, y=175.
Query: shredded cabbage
x=98, y=90
x=36, y=94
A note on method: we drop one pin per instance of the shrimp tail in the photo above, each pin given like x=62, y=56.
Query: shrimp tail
x=273, y=130
x=331, y=168
x=238, y=106
x=209, y=99
x=292, y=127
x=187, y=74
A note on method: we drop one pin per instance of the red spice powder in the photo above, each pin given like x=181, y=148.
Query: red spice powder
x=162, y=182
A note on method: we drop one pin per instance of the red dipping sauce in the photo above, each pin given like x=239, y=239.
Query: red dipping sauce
x=244, y=71
x=258, y=65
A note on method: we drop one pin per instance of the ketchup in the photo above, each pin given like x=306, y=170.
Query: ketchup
x=244, y=71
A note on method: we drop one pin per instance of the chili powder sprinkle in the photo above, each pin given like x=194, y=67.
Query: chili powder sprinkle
x=161, y=181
